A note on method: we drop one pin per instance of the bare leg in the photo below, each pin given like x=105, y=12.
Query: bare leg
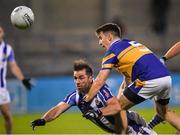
x=121, y=122
x=6, y=112
x=125, y=104
x=170, y=116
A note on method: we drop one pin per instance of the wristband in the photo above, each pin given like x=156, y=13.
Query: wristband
x=164, y=58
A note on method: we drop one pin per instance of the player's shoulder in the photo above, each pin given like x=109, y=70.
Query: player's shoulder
x=105, y=90
x=72, y=93
x=9, y=47
x=119, y=46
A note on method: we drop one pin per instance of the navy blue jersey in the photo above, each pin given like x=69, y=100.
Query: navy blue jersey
x=133, y=60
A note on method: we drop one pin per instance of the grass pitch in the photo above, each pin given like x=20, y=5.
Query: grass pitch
x=73, y=123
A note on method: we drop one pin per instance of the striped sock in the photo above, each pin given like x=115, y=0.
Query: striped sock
x=154, y=121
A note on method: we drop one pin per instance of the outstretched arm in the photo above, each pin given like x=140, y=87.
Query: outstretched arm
x=55, y=112
x=52, y=114
x=97, y=84
x=173, y=51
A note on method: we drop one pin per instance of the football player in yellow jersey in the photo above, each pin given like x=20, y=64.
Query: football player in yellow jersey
x=145, y=76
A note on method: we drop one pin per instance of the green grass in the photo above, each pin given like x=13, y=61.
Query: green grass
x=73, y=123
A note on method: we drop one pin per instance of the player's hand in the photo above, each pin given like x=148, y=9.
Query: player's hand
x=27, y=83
x=38, y=122
x=86, y=98
x=92, y=114
x=84, y=106
x=163, y=59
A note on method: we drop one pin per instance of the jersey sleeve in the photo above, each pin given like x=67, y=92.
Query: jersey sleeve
x=106, y=93
x=109, y=60
x=71, y=99
x=11, y=56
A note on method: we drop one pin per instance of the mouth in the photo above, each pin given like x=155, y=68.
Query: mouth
x=78, y=86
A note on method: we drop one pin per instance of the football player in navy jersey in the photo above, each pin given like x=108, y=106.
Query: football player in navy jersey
x=145, y=76
x=98, y=110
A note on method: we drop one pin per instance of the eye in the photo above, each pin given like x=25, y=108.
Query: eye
x=81, y=77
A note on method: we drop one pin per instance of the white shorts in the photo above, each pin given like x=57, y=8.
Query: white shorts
x=159, y=89
x=4, y=96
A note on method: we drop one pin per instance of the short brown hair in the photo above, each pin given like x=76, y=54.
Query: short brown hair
x=82, y=64
x=110, y=27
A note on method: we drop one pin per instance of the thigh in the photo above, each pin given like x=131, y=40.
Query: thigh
x=158, y=88
x=125, y=103
x=164, y=95
x=5, y=110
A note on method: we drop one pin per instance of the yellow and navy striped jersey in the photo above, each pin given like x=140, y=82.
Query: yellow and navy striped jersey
x=134, y=61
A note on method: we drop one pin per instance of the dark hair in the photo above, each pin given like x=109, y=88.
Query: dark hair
x=110, y=27
x=82, y=64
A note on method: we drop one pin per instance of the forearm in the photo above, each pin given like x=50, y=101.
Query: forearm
x=173, y=51
x=97, y=84
x=17, y=72
x=51, y=115
x=55, y=112
x=112, y=108
x=94, y=89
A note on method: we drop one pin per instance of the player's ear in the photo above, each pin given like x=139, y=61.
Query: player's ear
x=90, y=78
x=110, y=36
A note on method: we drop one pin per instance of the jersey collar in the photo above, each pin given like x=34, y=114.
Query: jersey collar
x=114, y=41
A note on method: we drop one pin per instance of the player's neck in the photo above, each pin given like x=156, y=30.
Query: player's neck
x=115, y=39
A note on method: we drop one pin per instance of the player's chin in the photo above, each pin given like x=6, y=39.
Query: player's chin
x=79, y=88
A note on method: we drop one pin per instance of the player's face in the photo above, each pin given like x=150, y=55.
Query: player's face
x=82, y=80
x=1, y=33
x=104, y=40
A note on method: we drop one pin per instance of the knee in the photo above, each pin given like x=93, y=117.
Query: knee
x=7, y=116
x=164, y=114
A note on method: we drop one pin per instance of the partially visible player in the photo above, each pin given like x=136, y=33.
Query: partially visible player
x=145, y=76
x=98, y=109
x=172, y=52
x=7, y=57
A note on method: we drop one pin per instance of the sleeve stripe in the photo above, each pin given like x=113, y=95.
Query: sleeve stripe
x=125, y=51
x=108, y=57
x=107, y=88
x=102, y=98
x=70, y=97
x=107, y=65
